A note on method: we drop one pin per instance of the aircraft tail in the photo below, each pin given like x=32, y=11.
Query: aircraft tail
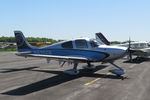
x=101, y=38
x=21, y=41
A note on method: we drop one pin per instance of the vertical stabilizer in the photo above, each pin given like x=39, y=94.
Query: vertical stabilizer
x=21, y=41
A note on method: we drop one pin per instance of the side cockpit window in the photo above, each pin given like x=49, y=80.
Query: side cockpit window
x=142, y=45
x=67, y=45
x=81, y=43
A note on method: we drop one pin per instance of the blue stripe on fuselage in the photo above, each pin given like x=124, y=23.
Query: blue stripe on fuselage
x=92, y=55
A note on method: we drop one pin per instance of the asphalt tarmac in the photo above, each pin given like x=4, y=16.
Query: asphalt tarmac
x=34, y=79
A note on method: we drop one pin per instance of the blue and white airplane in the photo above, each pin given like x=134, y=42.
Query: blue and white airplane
x=81, y=50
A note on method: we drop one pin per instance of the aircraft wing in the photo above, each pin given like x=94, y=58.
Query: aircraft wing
x=65, y=58
x=140, y=52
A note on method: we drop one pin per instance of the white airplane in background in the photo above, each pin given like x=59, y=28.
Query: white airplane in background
x=140, y=49
x=81, y=50
x=137, y=45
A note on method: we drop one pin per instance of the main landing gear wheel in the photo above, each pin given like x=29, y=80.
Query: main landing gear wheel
x=71, y=72
x=89, y=66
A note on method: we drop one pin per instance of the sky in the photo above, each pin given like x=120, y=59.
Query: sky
x=67, y=19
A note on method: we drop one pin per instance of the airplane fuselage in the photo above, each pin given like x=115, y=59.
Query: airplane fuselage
x=94, y=53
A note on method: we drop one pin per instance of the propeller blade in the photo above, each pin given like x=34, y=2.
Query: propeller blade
x=129, y=50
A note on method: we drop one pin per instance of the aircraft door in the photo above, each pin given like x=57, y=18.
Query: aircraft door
x=81, y=44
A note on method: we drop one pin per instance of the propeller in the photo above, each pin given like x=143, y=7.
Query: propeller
x=129, y=50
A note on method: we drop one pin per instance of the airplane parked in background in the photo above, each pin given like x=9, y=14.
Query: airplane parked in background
x=140, y=49
x=137, y=45
x=81, y=50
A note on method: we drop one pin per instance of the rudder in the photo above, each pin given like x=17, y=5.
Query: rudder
x=21, y=41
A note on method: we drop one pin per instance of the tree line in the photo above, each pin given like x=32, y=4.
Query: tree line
x=37, y=39
x=29, y=39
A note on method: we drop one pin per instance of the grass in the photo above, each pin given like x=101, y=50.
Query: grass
x=8, y=49
x=15, y=49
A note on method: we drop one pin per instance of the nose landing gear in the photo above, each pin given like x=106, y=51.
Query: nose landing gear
x=119, y=71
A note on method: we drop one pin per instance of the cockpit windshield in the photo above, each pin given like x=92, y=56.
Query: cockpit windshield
x=93, y=43
x=148, y=44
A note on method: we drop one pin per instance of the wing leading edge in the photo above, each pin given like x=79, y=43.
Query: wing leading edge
x=65, y=58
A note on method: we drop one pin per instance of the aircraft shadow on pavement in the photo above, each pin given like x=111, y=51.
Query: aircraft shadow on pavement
x=56, y=80
x=8, y=70
x=137, y=60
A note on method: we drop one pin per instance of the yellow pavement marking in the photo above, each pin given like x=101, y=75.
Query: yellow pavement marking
x=88, y=83
x=105, y=74
x=109, y=73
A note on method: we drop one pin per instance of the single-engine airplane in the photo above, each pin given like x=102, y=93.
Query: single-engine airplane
x=81, y=50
